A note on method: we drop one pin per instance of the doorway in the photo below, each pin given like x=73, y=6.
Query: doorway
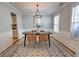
x=14, y=27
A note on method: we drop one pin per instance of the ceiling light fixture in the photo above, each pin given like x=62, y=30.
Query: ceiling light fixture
x=37, y=18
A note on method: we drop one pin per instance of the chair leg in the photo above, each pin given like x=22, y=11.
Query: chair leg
x=31, y=44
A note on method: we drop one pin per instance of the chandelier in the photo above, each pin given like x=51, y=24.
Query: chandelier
x=37, y=18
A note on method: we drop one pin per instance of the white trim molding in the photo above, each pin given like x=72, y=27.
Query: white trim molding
x=13, y=8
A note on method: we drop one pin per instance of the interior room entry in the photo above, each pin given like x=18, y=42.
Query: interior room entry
x=14, y=27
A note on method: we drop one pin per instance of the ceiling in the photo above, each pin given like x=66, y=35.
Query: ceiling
x=45, y=8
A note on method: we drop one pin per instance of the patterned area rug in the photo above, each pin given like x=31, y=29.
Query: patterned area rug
x=38, y=50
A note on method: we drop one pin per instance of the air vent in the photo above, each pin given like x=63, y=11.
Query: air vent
x=61, y=4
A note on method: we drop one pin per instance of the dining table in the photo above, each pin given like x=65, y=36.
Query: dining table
x=37, y=33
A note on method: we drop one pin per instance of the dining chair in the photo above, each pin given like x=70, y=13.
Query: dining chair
x=43, y=37
x=31, y=38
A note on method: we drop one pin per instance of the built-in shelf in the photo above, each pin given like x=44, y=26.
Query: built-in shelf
x=14, y=26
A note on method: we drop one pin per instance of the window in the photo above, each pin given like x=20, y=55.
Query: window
x=56, y=23
x=75, y=21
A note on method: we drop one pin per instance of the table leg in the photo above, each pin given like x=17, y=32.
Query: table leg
x=49, y=40
x=25, y=40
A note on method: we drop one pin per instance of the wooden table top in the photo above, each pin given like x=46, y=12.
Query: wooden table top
x=37, y=33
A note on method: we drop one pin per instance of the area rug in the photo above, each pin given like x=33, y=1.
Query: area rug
x=38, y=50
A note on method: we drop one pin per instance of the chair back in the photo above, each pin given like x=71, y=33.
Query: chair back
x=43, y=37
x=31, y=37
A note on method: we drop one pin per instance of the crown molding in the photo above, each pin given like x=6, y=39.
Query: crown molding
x=12, y=7
x=62, y=7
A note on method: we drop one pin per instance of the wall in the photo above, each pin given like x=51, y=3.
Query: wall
x=5, y=25
x=65, y=25
x=77, y=51
x=27, y=22
x=19, y=24
x=65, y=18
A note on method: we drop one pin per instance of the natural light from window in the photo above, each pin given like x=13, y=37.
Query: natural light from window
x=75, y=21
x=56, y=23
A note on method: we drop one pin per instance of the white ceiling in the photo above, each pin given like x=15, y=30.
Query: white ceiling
x=45, y=8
